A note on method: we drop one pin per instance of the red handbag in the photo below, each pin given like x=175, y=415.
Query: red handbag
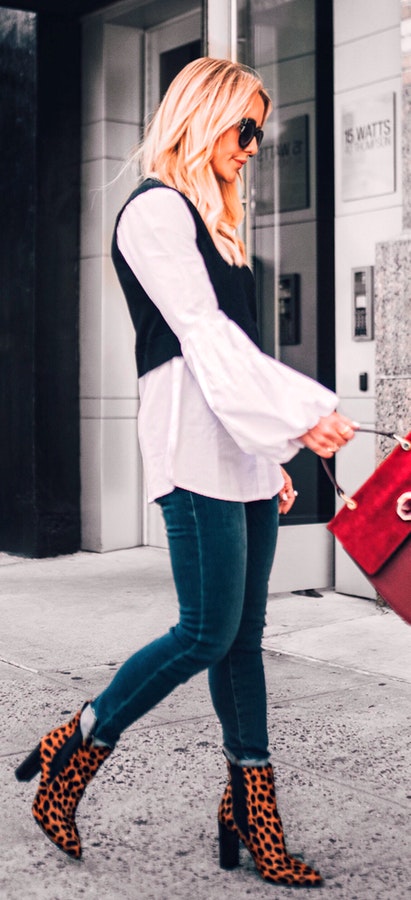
x=374, y=526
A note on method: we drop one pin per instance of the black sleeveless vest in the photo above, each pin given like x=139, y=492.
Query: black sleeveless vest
x=234, y=286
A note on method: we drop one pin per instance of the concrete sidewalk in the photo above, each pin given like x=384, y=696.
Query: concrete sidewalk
x=338, y=675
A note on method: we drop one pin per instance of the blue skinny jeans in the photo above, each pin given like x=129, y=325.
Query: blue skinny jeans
x=221, y=555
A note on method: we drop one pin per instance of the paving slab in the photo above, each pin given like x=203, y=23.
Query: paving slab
x=85, y=608
x=350, y=632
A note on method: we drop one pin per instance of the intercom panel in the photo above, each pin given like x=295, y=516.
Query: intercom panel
x=362, y=294
x=289, y=309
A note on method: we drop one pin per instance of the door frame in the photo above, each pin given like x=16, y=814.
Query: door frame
x=173, y=33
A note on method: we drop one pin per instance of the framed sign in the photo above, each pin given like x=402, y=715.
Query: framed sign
x=265, y=178
x=288, y=155
x=293, y=170
x=368, y=147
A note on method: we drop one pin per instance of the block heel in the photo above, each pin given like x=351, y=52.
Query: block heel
x=229, y=844
x=30, y=766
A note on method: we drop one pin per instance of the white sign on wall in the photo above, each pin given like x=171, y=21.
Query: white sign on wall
x=368, y=147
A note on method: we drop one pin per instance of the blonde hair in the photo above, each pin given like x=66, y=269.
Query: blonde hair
x=206, y=98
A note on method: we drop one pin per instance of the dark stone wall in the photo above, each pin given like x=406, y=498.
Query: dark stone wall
x=39, y=296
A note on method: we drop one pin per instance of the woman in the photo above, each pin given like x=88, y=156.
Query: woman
x=217, y=418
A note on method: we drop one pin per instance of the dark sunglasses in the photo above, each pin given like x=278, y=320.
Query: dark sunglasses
x=249, y=131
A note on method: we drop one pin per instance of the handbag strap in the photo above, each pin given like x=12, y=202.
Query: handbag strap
x=349, y=501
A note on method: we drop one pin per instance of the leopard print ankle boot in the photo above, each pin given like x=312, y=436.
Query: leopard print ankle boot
x=248, y=812
x=67, y=764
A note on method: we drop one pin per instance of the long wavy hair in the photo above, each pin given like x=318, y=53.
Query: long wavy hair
x=206, y=98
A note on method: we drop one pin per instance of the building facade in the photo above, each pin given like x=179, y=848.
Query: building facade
x=327, y=216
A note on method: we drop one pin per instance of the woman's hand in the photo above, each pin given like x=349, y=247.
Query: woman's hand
x=287, y=494
x=329, y=435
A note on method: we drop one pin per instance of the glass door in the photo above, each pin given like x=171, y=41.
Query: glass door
x=290, y=235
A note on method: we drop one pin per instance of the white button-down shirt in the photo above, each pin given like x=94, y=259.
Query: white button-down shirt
x=220, y=419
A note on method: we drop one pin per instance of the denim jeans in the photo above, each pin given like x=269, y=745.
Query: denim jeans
x=221, y=555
